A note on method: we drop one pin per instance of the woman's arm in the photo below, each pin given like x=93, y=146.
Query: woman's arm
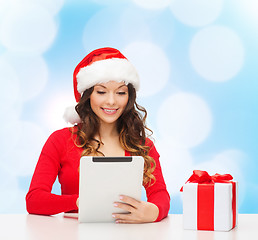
x=157, y=193
x=158, y=200
x=39, y=199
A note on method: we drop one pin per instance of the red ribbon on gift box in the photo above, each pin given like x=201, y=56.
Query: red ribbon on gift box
x=205, y=197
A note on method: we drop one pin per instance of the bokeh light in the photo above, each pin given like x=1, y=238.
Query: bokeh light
x=248, y=9
x=10, y=83
x=196, y=13
x=28, y=144
x=152, y=4
x=53, y=6
x=106, y=25
x=188, y=120
x=27, y=28
x=32, y=73
x=217, y=53
x=176, y=163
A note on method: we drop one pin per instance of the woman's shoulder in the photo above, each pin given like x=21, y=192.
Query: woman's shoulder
x=153, y=151
x=63, y=131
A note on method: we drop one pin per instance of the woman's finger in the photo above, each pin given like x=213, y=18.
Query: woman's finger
x=129, y=200
x=124, y=206
x=122, y=216
x=126, y=221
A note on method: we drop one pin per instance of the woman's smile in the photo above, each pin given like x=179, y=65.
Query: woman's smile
x=110, y=111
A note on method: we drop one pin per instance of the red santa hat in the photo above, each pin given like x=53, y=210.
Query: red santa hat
x=100, y=66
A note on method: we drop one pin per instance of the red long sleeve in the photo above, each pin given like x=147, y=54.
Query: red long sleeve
x=60, y=157
x=157, y=193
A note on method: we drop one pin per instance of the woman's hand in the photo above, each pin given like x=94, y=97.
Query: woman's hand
x=77, y=202
x=139, y=211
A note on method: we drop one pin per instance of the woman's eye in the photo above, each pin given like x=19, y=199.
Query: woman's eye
x=121, y=93
x=100, y=92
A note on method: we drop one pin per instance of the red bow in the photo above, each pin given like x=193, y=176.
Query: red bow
x=199, y=176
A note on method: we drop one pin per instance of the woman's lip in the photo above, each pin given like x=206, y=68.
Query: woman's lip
x=110, y=108
x=109, y=111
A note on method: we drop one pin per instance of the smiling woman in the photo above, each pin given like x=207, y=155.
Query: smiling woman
x=107, y=122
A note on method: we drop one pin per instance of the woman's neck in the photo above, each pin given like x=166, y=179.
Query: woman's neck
x=107, y=130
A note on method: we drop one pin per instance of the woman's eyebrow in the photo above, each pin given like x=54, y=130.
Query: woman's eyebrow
x=99, y=85
x=121, y=86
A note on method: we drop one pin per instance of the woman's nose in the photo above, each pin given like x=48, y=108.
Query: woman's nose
x=111, y=99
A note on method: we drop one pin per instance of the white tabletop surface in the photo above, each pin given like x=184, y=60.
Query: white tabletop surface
x=37, y=227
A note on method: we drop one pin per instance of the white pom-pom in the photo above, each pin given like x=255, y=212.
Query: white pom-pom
x=71, y=116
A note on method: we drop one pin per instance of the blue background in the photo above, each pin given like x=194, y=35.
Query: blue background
x=197, y=61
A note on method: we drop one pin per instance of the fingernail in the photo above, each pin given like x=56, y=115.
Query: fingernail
x=115, y=204
x=121, y=197
x=113, y=215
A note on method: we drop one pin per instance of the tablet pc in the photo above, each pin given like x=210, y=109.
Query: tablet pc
x=103, y=180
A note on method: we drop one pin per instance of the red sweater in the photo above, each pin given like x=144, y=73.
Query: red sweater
x=60, y=157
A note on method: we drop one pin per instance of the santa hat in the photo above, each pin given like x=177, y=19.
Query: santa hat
x=100, y=66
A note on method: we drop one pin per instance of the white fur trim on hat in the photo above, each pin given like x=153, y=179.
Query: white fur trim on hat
x=71, y=116
x=113, y=69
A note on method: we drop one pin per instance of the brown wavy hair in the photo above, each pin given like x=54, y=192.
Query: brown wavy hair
x=131, y=127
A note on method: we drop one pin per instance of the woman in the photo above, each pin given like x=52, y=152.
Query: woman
x=107, y=122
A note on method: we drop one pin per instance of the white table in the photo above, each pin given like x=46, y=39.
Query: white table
x=35, y=227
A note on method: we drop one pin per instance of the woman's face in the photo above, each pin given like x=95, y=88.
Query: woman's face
x=108, y=100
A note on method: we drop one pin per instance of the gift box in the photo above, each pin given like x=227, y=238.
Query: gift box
x=210, y=202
